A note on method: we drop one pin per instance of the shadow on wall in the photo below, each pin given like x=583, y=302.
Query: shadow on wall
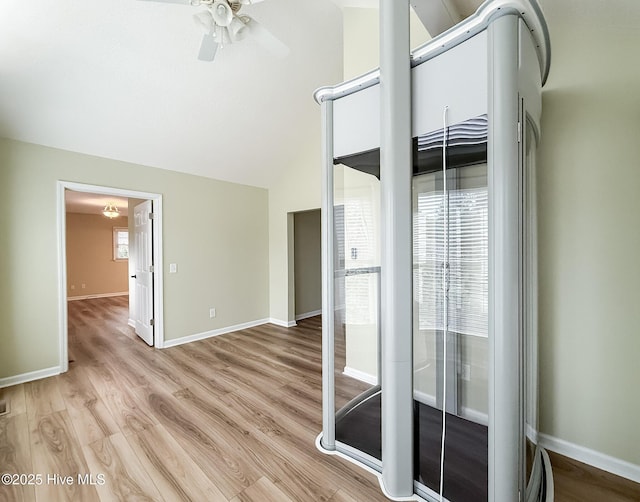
x=8, y=273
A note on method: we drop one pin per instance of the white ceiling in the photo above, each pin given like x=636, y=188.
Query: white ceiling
x=120, y=79
x=88, y=203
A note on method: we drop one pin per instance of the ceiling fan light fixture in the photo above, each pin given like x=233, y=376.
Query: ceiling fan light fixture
x=111, y=211
x=237, y=28
x=222, y=13
x=204, y=20
x=221, y=36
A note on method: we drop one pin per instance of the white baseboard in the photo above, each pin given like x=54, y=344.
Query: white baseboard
x=100, y=295
x=591, y=457
x=306, y=315
x=424, y=398
x=360, y=375
x=131, y=323
x=283, y=324
x=29, y=377
x=214, y=332
x=474, y=415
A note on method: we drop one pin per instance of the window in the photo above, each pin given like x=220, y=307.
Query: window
x=120, y=243
x=468, y=260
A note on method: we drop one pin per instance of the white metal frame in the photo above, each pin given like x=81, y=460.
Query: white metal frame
x=528, y=10
x=504, y=262
x=158, y=290
x=396, y=254
x=501, y=19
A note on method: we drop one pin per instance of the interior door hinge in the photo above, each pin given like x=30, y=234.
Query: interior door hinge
x=152, y=322
x=151, y=269
x=151, y=216
x=519, y=132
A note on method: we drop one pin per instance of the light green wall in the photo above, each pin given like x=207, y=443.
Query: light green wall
x=215, y=231
x=362, y=39
x=589, y=229
x=297, y=190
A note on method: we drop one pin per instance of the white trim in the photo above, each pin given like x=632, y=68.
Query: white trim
x=591, y=457
x=360, y=375
x=158, y=290
x=131, y=323
x=283, y=324
x=424, y=398
x=464, y=412
x=99, y=295
x=29, y=377
x=532, y=434
x=214, y=332
x=474, y=415
x=306, y=315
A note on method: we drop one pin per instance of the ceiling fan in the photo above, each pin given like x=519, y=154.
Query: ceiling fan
x=222, y=25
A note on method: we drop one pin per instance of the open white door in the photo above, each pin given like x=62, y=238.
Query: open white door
x=143, y=256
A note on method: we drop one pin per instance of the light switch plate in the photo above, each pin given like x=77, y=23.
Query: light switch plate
x=173, y=268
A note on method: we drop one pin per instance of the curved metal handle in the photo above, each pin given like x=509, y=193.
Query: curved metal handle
x=134, y=276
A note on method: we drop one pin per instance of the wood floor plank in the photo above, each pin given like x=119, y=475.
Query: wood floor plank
x=576, y=482
x=124, y=476
x=91, y=418
x=174, y=472
x=15, y=399
x=131, y=414
x=15, y=458
x=298, y=479
x=43, y=397
x=198, y=368
x=289, y=437
x=262, y=490
x=342, y=496
x=55, y=451
x=233, y=417
x=218, y=451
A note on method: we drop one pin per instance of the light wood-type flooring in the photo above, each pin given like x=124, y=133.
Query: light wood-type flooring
x=232, y=418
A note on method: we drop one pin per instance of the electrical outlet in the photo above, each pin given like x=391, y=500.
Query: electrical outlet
x=84, y=285
x=73, y=286
x=466, y=372
x=212, y=313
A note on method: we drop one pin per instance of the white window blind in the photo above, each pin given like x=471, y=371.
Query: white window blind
x=468, y=260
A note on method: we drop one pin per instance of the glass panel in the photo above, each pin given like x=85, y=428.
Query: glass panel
x=357, y=280
x=450, y=262
x=530, y=308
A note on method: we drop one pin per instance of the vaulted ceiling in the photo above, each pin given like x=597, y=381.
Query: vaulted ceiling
x=120, y=79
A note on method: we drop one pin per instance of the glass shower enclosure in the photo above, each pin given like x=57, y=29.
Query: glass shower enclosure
x=476, y=109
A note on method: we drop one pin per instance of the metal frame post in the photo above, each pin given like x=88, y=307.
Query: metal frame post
x=504, y=287
x=397, y=306
x=328, y=282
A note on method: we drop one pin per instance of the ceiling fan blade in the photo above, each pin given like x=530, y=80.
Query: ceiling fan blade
x=268, y=40
x=208, y=48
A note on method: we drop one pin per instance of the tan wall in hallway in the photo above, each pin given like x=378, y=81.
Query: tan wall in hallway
x=90, y=256
x=308, y=266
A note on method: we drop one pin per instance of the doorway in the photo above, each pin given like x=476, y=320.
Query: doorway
x=150, y=235
x=307, y=264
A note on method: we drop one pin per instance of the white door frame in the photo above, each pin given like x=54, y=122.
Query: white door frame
x=158, y=290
